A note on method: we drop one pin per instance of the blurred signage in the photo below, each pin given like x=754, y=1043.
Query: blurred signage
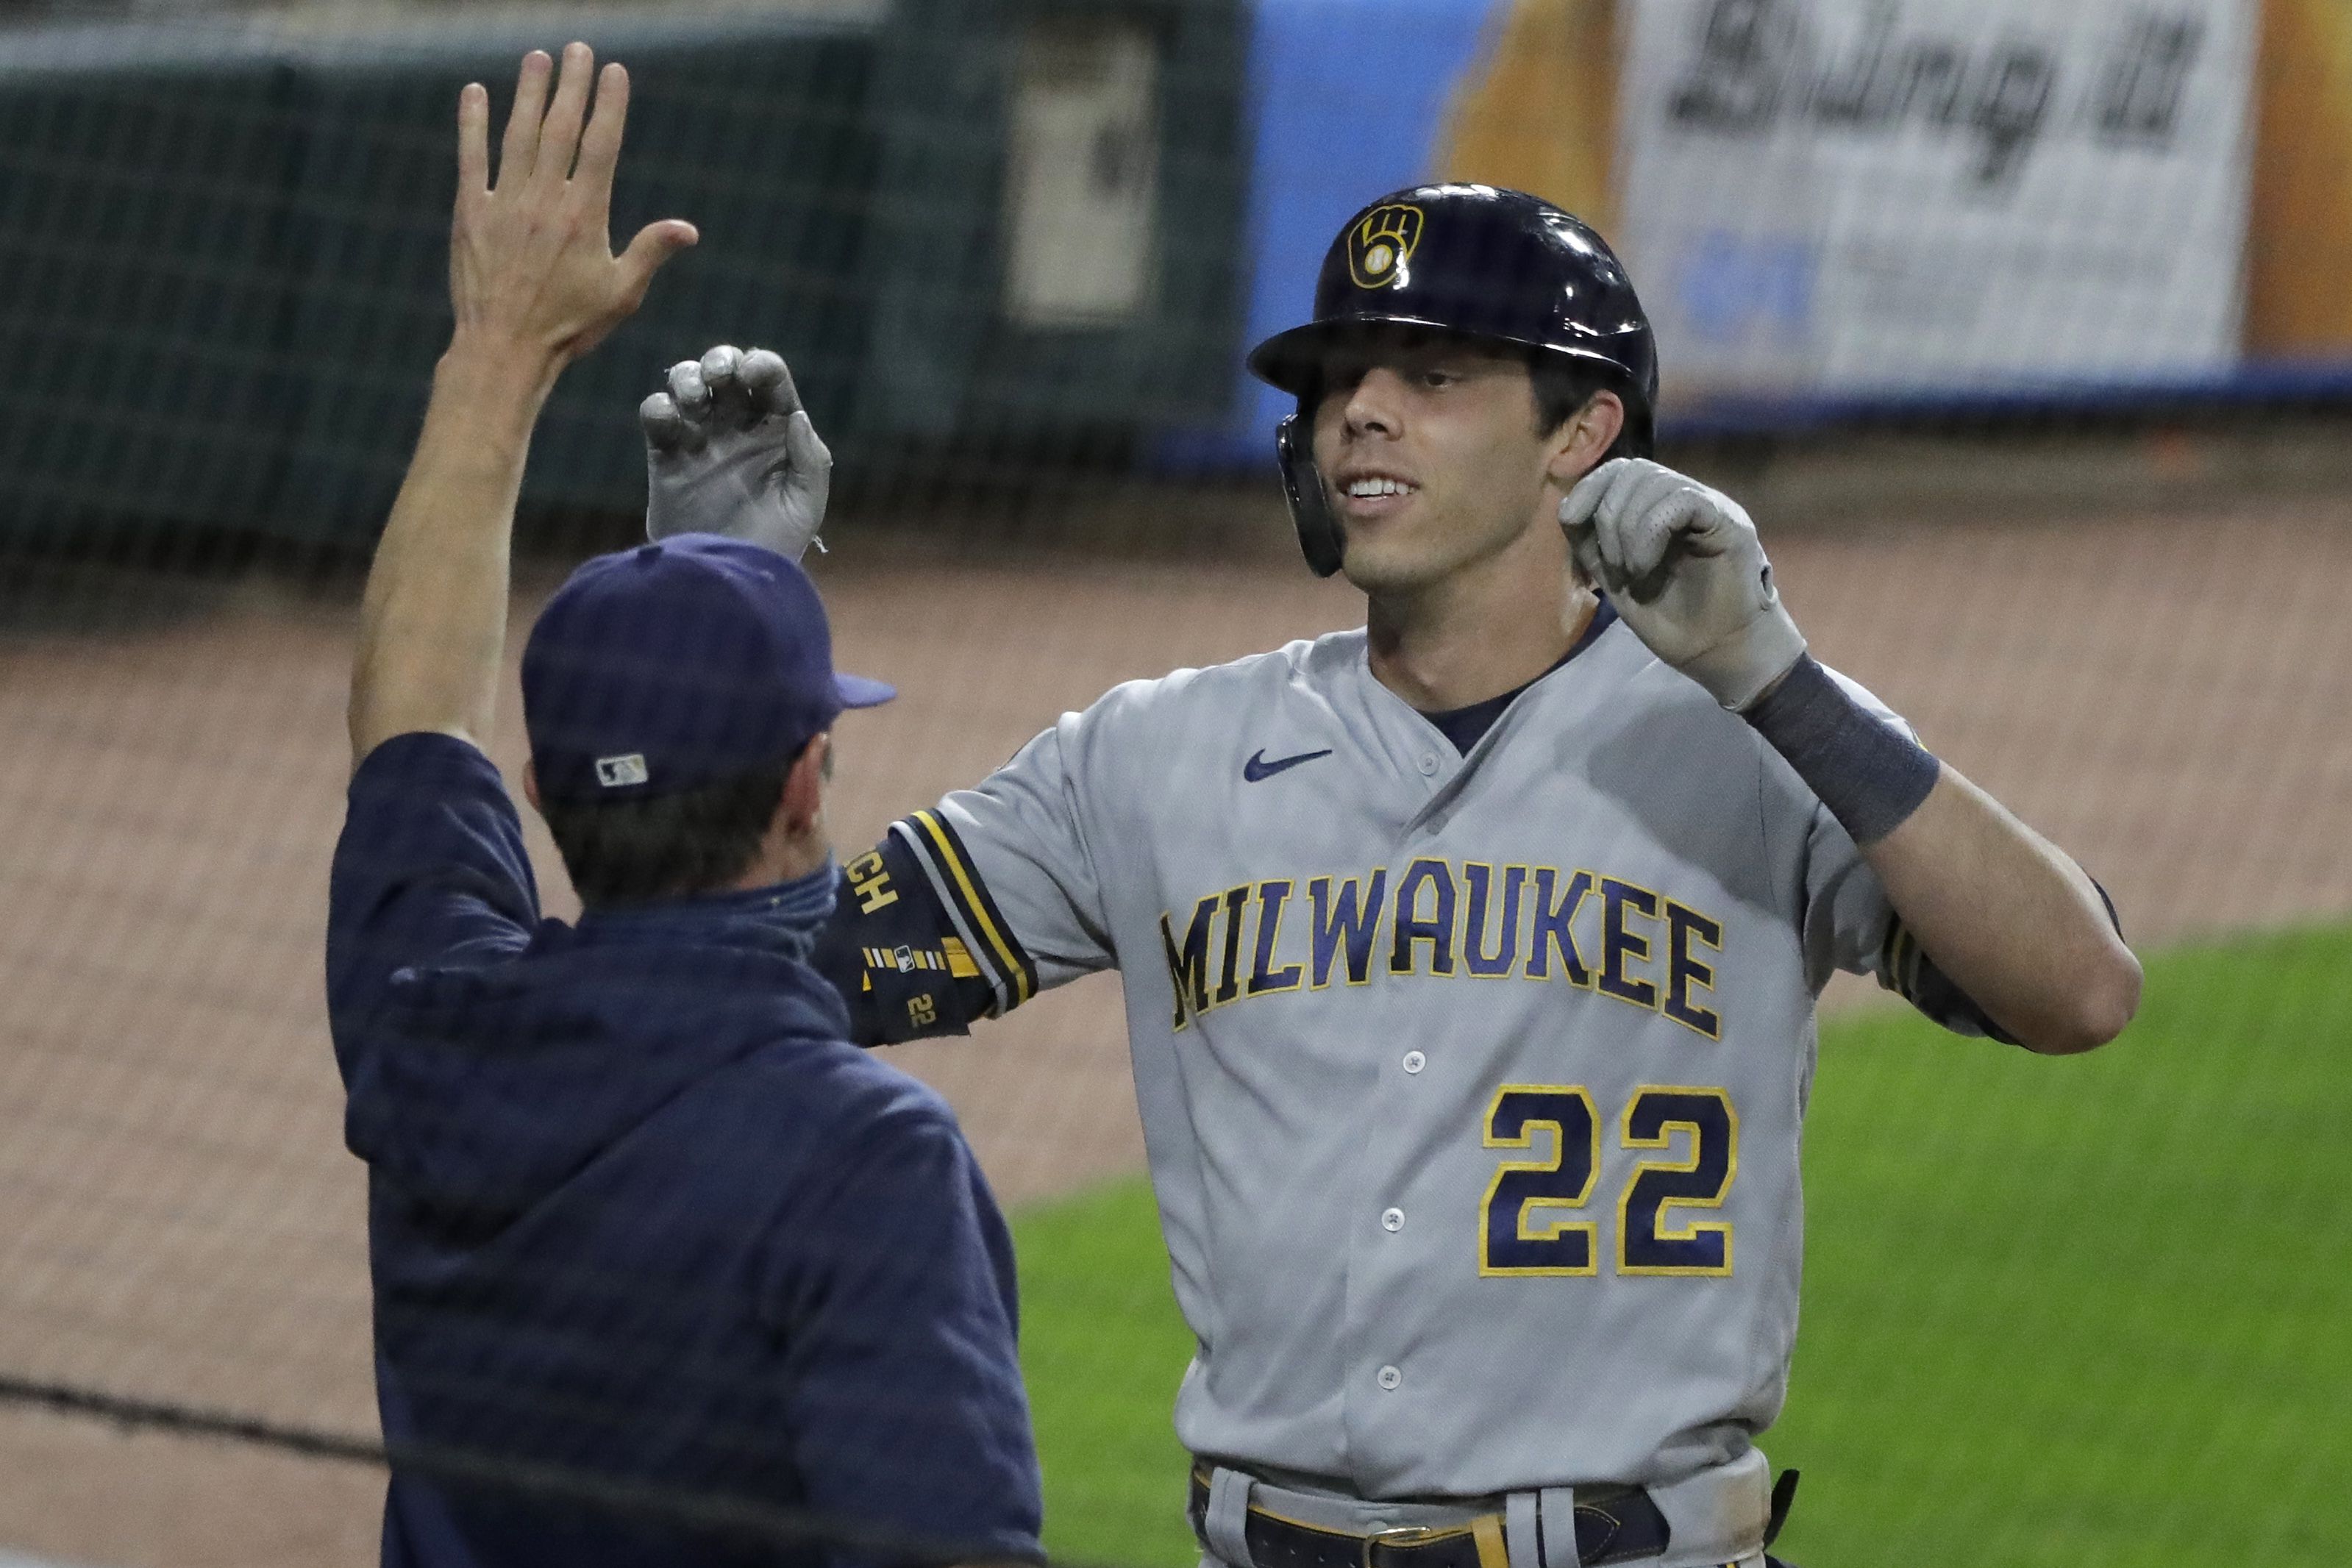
x=1871, y=195
x=1083, y=166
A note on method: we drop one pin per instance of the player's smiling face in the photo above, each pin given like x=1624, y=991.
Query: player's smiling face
x=1429, y=449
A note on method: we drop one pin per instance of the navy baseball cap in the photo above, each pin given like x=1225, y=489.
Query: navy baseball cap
x=676, y=664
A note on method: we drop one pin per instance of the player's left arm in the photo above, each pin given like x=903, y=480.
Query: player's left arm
x=2007, y=918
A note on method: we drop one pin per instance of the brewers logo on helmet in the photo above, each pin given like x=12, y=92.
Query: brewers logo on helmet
x=1380, y=243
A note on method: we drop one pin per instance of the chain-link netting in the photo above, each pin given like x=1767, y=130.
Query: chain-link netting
x=2022, y=331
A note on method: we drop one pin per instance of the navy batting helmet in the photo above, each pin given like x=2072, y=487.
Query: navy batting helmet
x=1475, y=261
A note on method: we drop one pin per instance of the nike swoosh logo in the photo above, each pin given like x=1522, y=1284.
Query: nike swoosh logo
x=1257, y=769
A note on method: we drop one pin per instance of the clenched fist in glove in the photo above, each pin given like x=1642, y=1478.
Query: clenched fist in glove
x=729, y=449
x=1684, y=568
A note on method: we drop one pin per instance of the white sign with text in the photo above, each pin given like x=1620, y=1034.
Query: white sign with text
x=1923, y=195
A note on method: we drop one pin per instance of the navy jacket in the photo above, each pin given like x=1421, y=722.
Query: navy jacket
x=636, y=1210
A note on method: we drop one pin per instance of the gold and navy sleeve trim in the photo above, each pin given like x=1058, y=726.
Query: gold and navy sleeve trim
x=1905, y=968
x=1899, y=958
x=985, y=935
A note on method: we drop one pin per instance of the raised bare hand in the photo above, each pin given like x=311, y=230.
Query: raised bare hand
x=531, y=267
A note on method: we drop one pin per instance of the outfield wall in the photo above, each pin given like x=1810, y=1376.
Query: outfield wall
x=224, y=246
x=998, y=238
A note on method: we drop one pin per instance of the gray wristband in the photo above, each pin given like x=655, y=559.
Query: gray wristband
x=1869, y=774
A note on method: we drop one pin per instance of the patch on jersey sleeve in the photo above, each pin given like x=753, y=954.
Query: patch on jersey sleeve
x=890, y=952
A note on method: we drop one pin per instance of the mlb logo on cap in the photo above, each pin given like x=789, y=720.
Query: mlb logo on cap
x=619, y=772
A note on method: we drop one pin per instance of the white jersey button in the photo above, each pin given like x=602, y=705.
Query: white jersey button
x=1428, y=761
x=1393, y=1219
x=1414, y=1061
x=1389, y=1377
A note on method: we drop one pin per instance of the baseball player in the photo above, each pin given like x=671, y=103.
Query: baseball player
x=1470, y=957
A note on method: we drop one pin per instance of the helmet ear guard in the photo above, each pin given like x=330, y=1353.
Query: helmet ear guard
x=1319, y=538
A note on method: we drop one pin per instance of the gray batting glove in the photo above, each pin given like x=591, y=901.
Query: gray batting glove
x=729, y=449
x=1684, y=566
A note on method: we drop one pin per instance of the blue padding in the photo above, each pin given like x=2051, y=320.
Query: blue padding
x=2253, y=383
x=1347, y=103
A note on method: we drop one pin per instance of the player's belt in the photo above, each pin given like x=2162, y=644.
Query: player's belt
x=1615, y=1524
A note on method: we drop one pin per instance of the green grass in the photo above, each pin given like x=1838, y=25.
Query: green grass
x=2081, y=1312
x=1103, y=1347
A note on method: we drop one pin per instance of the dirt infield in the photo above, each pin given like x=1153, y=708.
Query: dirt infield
x=2164, y=696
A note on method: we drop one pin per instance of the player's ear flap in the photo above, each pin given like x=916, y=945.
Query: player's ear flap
x=530, y=786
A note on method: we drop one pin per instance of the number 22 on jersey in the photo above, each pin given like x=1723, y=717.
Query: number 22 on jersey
x=1530, y=1223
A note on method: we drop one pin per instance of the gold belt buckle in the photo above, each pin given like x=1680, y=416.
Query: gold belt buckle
x=1401, y=1536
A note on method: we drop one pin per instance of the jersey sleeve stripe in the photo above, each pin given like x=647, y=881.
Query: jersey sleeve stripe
x=1905, y=969
x=985, y=914
x=1899, y=955
x=976, y=952
x=978, y=907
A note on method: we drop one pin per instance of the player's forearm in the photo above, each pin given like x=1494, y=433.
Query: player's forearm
x=432, y=622
x=2008, y=918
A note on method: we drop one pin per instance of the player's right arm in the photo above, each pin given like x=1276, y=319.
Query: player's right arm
x=430, y=867
x=533, y=285
x=968, y=910
x=962, y=911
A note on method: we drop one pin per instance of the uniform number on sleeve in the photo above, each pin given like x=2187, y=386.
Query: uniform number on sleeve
x=1527, y=1224
x=1523, y=1230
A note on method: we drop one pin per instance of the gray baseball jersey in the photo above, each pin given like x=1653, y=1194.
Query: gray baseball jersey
x=1473, y=1085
